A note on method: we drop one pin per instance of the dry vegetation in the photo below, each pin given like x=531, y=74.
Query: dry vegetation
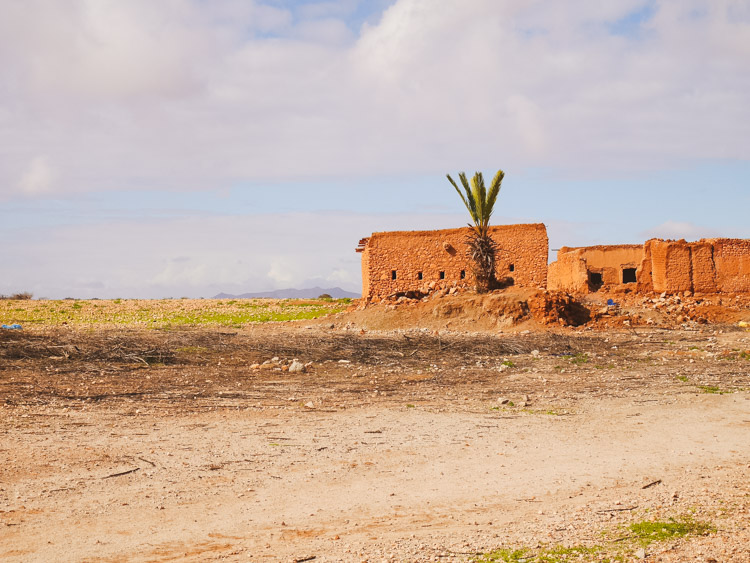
x=191, y=438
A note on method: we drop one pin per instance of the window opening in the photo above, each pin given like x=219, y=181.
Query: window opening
x=393, y=274
x=628, y=275
x=596, y=280
x=463, y=274
x=419, y=275
x=512, y=268
x=442, y=275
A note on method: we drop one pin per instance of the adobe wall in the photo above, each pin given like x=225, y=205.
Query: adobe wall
x=705, y=266
x=522, y=255
x=571, y=270
x=671, y=266
x=732, y=262
x=568, y=272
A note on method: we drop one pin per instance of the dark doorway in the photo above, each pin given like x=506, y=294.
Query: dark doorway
x=442, y=275
x=628, y=275
x=595, y=280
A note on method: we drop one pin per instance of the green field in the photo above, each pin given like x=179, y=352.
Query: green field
x=160, y=313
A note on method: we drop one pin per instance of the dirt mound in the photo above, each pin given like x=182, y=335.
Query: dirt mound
x=515, y=309
x=507, y=309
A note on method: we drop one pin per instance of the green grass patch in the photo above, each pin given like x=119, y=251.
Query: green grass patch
x=683, y=378
x=713, y=390
x=578, y=359
x=509, y=364
x=647, y=532
x=614, y=547
x=554, y=554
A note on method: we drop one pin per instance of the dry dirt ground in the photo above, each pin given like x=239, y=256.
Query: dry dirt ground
x=124, y=444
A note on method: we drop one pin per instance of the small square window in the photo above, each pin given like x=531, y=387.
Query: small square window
x=463, y=274
x=442, y=275
x=393, y=274
x=629, y=275
x=512, y=268
x=419, y=275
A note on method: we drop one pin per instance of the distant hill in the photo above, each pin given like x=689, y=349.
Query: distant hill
x=291, y=293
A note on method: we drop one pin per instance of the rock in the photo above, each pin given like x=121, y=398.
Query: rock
x=296, y=366
x=640, y=553
x=503, y=400
x=502, y=367
x=535, y=353
x=310, y=405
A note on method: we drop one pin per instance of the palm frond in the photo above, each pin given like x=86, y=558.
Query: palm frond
x=473, y=205
x=493, y=193
x=461, y=195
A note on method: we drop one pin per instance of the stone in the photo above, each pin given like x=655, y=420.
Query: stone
x=503, y=400
x=535, y=353
x=296, y=366
x=310, y=405
x=640, y=553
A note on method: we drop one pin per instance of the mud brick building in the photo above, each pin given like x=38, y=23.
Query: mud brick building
x=403, y=261
x=716, y=265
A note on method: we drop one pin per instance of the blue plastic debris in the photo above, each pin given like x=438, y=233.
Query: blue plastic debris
x=611, y=303
x=12, y=327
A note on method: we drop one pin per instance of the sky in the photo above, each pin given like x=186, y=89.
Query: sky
x=182, y=148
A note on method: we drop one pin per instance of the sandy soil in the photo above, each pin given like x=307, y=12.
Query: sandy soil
x=181, y=445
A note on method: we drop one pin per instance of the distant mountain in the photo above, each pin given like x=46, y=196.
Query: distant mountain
x=291, y=293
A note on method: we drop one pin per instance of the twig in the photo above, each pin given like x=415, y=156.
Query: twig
x=303, y=559
x=122, y=473
x=151, y=463
x=616, y=510
x=651, y=484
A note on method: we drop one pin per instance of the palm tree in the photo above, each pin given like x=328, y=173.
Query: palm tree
x=480, y=202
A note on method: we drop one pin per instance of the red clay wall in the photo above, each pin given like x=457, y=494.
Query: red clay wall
x=671, y=266
x=706, y=266
x=703, y=269
x=732, y=261
x=568, y=272
x=571, y=270
x=524, y=247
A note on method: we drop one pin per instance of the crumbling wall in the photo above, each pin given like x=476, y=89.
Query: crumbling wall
x=705, y=266
x=732, y=262
x=571, y=270
x=568, y=272
x=403, y=261
x=702, y=268
x=365, y=267
x=671, y=266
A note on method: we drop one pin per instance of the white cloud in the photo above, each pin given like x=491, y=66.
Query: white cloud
x=681, y=230
x=38, y=177
x=197, y=95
